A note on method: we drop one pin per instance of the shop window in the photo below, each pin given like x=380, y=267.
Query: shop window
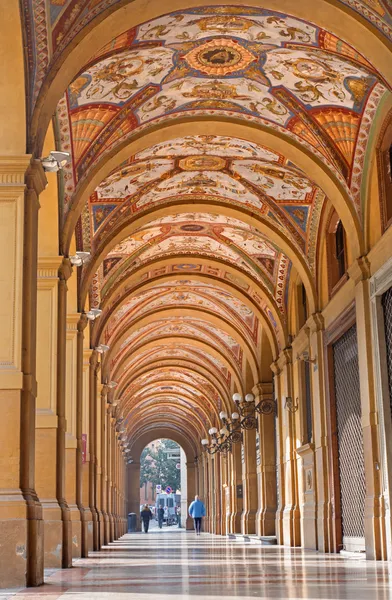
x=337, y=254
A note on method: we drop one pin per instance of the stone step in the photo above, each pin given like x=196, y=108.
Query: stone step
x=264, y=540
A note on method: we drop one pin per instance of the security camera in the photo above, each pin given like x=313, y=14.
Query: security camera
x=102, y=348
x=79, y=258
x=305, y=357
x=93, y=314
x=55, y=161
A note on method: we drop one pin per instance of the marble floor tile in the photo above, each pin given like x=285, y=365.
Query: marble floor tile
x=175, y=565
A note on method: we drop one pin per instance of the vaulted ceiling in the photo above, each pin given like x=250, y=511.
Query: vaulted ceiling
x=205, y=143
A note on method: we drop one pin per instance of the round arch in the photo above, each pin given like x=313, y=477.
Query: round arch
x=323, y=176
x=338, y=18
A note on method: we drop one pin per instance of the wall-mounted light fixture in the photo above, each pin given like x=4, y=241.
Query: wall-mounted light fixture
x=290, y=405
x=93, y=314
x=56, y=161
x=79, y=258
x=102, y=348
x=306, y=358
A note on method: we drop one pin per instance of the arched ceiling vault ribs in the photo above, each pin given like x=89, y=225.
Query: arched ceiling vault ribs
x=336, y=17
x=148, y=433
x=220, y=379
x=233, y=279
x=114, y=305
x=187, y=357
x=174, y=418
x=185, y=366
x=305, y=159
x=266, y=229
x=167, y=382
x=186, y=323
x=173, y=343
x=192, y=414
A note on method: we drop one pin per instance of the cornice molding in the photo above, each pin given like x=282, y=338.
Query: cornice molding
x=48, y=267
x=359, y=270
x=381, y=280
x=13, y=169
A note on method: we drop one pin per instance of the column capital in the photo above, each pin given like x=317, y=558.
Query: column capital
x=359, y=270
x=275, y=368
x=72, y=322
x=35, y=177
x=316, y=322
x=285, y=357
x=48, y=267
x=65, y=269
x=262, y=389
x=13, y=169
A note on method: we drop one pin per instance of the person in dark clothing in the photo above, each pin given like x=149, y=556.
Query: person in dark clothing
x=146, y=516
x=160, y=515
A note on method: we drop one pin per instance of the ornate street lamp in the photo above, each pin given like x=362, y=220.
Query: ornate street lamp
x=247, y=409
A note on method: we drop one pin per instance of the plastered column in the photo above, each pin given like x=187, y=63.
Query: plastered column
x=134, y=491
x=88, y=544
x=291, y=514
x=216, y=495
x=249, y=482
x=374, y=517
x=100, y=399
x=280, y=463
x=265, y=463
x=46, y=409
x=92, y=445
x=319, y=481
x=71, y=438
x=21, y=525
x=64, y=273
x=236, y=489
x=81, y=439
x=110, y=476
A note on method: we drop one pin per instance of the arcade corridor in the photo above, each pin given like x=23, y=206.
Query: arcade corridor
x=174, y=565
x=196, y=245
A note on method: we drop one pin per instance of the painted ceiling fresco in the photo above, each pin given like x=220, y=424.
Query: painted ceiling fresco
x=250, y=64
x=52, y=24
x=254, y=63
x=228, y=170
x=237, y=244
x=182, y=293
x=188, y=327
x=183, y=356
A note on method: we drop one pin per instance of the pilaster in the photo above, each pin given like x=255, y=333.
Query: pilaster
x=359, y=272
x=46, y=408
x=265, y=463
x=291, y=514
x=249, y=482
x=71, y=438
x=21, y=525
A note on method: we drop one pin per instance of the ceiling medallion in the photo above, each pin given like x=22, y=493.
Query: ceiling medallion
x=202, y=163
x=219, y=56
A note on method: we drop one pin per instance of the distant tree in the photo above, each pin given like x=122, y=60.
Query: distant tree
x=156, y=468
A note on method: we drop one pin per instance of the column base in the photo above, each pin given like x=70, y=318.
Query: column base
x=15, y=535
x=86, y=532
x=248, y=522
x=291, y=527
x=76, y=531
x=265, y=522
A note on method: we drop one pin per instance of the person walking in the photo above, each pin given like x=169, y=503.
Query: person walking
x=197, y=511
x=146, y=516
x=160, y=515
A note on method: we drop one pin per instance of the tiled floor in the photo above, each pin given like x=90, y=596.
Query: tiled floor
x=175, y=565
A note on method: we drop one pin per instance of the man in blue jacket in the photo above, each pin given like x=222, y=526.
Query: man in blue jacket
x=197, y=511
